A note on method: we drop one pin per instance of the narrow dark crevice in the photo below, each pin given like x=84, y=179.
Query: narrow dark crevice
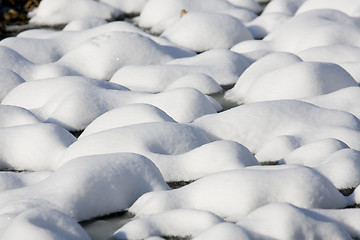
x=76, y=133
x=122, y=215
x=179, y=184
x=347, y=191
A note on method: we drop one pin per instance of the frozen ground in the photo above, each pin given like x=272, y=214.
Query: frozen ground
x=192, y=119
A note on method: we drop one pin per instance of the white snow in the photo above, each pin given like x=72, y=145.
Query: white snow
x=84, y=23
x=350, y=7
x=74, y=102
x=94, y=185
x=246, y=190
x=124, y=97
x=102, y=55
x=181, y=152
x=300, y=80
x=32, y=146
x=209, y=32
x=179, y=222
x=345, y=99
x=273, y=129
x=8, y=81
x=160, y=14
x=222, y=65
x=64, y=11
x=36, y=223
x=285, y=221
x=324, y=27
x=12, y=180
x=11, y=116
x=126, y=115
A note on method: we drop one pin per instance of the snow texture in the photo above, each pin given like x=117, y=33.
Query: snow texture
x=157, y=119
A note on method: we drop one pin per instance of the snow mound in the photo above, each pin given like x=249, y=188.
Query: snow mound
x=15, y=62
x=292, y=124
x=179, y=222
x=94, y=186
x=32, y=146
x=286, y=221
x=345, y=99
x=288, y=78
x=344, y=55
x=227, y=231
x=159, y=14
x=266, y=23
x=201, y=31
x=44, y=46
x=288, y=7
x=11, y=116
x=126, y=115
x=300, y=186
x=101, y=56
x=315, y=28
x=350, y=7
x=268, y=63
x=74, y=102
x=181, y=152
x=341, y=168
x=8, y=81
x=222, y=65
x=44, y=224
x=314, y=153
x=52, y=13
x=84, y=24
x=127, y=6
x=200, y=81
x=12, y=180
x=300, y=80
x=339, y=54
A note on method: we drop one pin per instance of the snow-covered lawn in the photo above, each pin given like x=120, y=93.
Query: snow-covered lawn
x=253, y=114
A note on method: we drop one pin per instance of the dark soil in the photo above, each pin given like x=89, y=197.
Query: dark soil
x=14, y=13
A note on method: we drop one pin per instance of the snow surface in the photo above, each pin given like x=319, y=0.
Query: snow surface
x=156, y=119
x=222, y=65
x=300, y=186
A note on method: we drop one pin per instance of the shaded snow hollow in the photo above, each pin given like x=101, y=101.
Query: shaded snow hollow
x=98, y=119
